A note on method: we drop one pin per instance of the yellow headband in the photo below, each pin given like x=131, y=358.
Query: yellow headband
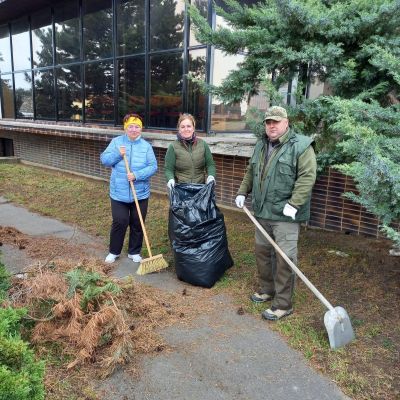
x=133, y=120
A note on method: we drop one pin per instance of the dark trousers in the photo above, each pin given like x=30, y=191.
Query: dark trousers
x=124, y=215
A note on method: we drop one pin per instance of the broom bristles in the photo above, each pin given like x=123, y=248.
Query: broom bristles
x=152, y=264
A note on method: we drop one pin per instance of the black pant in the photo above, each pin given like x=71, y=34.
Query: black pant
x=124, y=214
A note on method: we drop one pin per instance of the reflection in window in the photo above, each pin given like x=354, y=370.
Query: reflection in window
x=166, y=90
x=202, y=6
x=196, y=99
x=44, y=94
x=226, y=117
x=97, y=29
x=66, y=18
x=131, y=94
x=130, y=26
x=42, y=40
x=166, y=24
x=21, y=44
x=99, y=91
x=231, y=117
x=5, y=53
x=7, y=96
x=69, y=93
x=23, y=95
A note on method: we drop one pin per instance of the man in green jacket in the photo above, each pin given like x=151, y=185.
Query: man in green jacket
x=280, y=176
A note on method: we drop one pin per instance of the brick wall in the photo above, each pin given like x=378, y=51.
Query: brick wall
x=71, y=154
x=80, y=153
x=331, y=211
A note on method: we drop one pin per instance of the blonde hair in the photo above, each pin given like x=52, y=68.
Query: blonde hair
x=186, y=116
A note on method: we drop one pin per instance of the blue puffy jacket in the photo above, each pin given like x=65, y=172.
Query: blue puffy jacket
x=142, y=162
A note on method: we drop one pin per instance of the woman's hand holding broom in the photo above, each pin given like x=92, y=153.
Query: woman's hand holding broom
x=131, y=176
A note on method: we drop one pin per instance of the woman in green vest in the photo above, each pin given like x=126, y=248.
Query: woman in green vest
x=189, y=158
x=196, y=227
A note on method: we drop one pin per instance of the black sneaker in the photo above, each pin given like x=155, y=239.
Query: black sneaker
x=273, y=313
x=260, y=297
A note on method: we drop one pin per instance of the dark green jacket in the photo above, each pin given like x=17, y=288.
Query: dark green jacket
x=288, y=177
x=188, y=164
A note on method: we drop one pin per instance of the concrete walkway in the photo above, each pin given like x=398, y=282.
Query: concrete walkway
x=237, y=358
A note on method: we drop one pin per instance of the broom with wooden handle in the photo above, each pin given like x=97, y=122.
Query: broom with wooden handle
x=152, y=263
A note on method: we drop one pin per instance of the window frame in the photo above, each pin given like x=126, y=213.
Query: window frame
x=115, y=58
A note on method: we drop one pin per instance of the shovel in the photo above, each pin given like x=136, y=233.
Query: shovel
x=336, y=320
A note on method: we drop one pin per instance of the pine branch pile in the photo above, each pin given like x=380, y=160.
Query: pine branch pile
x=84, y=320
x=97, y=320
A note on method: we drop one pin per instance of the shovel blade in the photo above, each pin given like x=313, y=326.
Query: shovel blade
x=338, y=326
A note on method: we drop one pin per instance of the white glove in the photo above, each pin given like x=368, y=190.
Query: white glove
x=289, y=211
x=240, y=200
x=171, y=184
x=210, y=179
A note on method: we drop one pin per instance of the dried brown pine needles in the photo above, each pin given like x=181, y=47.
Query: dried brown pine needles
x=97, y=321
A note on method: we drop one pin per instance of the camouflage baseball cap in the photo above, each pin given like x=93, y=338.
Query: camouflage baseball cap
x=276, y=113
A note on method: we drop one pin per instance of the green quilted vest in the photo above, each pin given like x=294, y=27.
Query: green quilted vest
x=190, y=162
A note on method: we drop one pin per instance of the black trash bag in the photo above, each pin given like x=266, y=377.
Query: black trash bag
x=197, y=233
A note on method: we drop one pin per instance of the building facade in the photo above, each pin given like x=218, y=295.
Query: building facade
x=92, y=61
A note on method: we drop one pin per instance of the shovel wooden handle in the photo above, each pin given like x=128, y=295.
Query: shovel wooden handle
x=289, y=261
x=138, y=208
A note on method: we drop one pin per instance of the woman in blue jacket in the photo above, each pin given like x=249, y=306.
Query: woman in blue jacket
x=142, y=165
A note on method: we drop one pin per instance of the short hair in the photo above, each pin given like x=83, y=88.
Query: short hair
x=186, y=116
x=127, y=116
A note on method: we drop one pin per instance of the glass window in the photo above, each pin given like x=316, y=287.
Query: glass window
x=166, y=90
x=230, y=117
x=130, y=26
x=97, y=29
x=197, y=101
x=226, y=117
x=202, y=6
x=166, y=24
x=42, y=39
x=23, y=95
x=7, y=96
x=69, y=93
x=5, y=53
x=21, y=44
x=131, y=90
x=99, y=92
x=44, y=94
x=66, y=18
